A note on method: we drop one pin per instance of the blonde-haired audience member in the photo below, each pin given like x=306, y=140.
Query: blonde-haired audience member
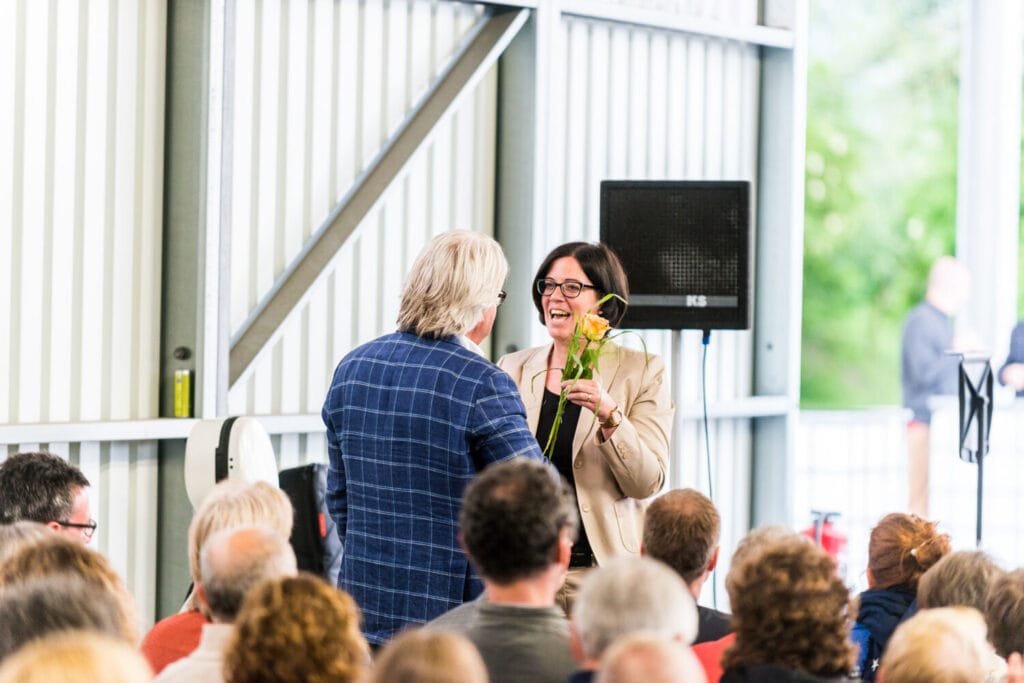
x=942, y=645
x=643, y=658
x=789, y=613
x=231, y=503
x=296, y=630
x=421, y=656
x=60, y=556
x=901, y=549
x=38, y=607
x=15, y=536
x=76, y=657
x=962, y=578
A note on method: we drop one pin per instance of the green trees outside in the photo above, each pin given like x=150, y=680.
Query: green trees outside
x=881, y=187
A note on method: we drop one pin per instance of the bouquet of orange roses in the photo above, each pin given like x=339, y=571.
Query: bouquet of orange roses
x=589, y=336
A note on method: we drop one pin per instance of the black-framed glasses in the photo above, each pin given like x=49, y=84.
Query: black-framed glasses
x=502, y=295
x=87, y=529
x=570, y=288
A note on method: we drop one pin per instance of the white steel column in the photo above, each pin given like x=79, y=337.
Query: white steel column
x=988, y=171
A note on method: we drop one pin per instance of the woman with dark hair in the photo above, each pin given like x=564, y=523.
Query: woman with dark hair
x=789, y=612
x=613, y=444
x=901, y=549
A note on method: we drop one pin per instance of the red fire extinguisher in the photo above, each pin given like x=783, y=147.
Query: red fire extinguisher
x=831, y=540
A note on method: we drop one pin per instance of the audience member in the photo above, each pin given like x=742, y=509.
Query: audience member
x=962, y=578
x=230, y=504
x=45, y=488
x=76, y=657
x=942, y=645
x=232, y=562
x=901, y=549
x=59, y=556
x=1004, y=613
x=296, y=630
x=641, y=658
x=927, y=369
x=423, y=656
x=411, y=417
x=789, y=612
x=517, y=524
x=37, y=607
x=623, y=596
x=709, y=654
x=1011, y=374
x=682, y=529
x=17, y=535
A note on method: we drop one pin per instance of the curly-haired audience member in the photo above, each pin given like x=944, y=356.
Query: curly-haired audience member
x=960, y=579
x=74, y=657
x=943, y=645
x=296, y=630
x=231, y=503
x=59, y=556
x=1004, y=613
x=424, y=656
x=901, y=549
x=789, y=614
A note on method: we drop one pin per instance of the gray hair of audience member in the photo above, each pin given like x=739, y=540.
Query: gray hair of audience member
x=646, y=658
x=681, y=528
x=630, y=594
x=232, y=503
x=58, y=602
x=960, y=578
x=456, y=277
x=18, y=535
x=1004, y=613
x=758, y=539
x=421, y=656
x=40, y=487
x=513, y=514
x=941, y=645
x=74, y=657
x=234, y=560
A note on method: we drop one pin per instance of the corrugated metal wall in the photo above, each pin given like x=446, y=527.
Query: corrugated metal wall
x=319, y=88
x=81, y=181
x=81, y=118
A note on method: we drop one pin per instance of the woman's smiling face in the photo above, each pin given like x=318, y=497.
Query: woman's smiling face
x=560, y=312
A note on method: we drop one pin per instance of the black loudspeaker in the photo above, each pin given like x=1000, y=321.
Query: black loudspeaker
x=685, y=246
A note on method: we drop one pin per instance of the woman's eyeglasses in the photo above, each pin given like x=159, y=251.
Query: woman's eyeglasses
x=570, y=288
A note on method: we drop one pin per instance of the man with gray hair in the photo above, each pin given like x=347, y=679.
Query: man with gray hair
x=232, y=562
x=625, y=596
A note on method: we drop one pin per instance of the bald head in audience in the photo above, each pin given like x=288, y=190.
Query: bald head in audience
x=644, y=658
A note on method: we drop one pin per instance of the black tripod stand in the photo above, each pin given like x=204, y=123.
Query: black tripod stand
x=975, y=418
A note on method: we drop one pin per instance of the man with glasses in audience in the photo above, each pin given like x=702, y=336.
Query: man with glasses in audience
x=42, y=487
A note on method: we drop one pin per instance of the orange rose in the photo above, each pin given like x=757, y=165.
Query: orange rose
x=594, y=327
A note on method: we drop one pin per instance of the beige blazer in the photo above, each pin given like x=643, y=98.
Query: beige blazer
x=613, y=477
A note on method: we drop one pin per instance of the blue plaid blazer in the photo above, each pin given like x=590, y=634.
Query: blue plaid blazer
x=409, y=422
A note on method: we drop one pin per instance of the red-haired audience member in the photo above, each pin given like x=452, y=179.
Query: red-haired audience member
x=58, y=556
x=76, y=657
x=642, y=658
x=709, y=654
x=45, y=488
x=296, y=629
x=960, y=579
x=789, y=612
x=517, y=526
x=942, y=645
x=1004, y=613
x=628, y=595
x=422, y=656
x=231, y=503
x=681, y=529
x=232, y=562
x=901, y=549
